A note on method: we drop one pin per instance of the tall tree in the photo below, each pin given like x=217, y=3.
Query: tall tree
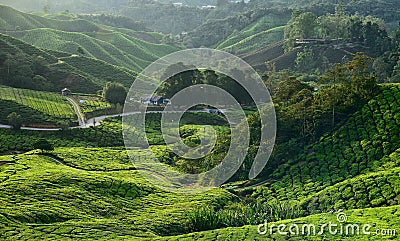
x=363, y=81
x=335, y=76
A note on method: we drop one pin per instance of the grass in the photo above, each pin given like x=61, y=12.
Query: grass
x=94, y=159
x=360, y=145
x=375, y=189
x=35, y=106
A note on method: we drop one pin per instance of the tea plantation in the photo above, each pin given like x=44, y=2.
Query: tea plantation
x=82, y=191
x=35, y=106
x=84, y=184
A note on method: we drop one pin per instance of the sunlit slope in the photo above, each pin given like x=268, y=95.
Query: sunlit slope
x=261, y=25
x=257, y=41
x=41, y=198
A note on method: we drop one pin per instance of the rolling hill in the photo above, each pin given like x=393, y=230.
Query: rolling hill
x=222, y=33
x=88, y=188
x=256, y=41
x=354, y=168
x=91, y=40
x=79, y=73
x=13, y=20
x=35, y=107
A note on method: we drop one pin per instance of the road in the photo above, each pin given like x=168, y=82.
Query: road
x=96, y=120
x=78, y=112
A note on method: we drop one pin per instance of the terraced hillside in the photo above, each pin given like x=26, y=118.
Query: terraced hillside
x=78, y=73
x=116, y=49
x=274, y=53
x=35, y=107
x=12, y=20
x=103, y=43
x=93, y=193
x=87, y=187
x=256, y=41
x=366, y=143
x=354, y=169
x=243, y=28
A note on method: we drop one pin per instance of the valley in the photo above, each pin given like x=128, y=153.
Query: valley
x=332, y=70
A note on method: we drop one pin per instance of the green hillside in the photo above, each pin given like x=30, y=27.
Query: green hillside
x=13, y=20
x=275, y=54
x=333, y=77
x=135, y=56
x=81, y=74
x=222, y=33
x=35, y=107
x=356, y=166
x=361, y=145
x=103, y=43
x=260, y=26
x=256, y=41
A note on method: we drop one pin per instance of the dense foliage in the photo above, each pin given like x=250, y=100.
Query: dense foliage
x=339, y=26
x=115, y=93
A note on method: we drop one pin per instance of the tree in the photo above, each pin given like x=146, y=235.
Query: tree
x=15, y=120
x=305, y=60
x=177, y=82
x=363, y=81
x=287, y=89
x=334, y=25
x=396, y=38
x=43, y=145
x=334, y=76
x=301, y=25
x=114, y=93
